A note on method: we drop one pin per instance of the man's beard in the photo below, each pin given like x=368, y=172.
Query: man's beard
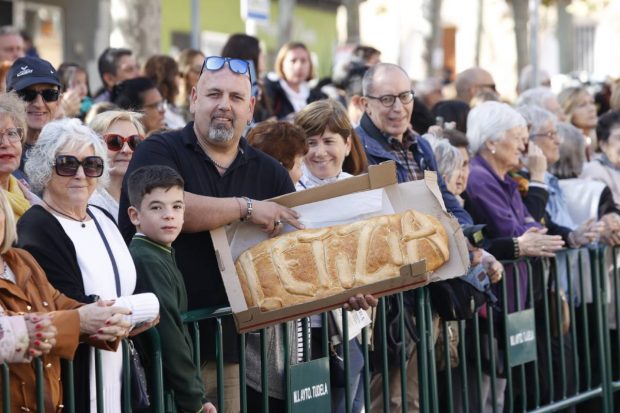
x=221, y=134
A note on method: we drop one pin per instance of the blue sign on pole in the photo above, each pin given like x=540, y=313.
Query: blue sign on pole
x=255, y=10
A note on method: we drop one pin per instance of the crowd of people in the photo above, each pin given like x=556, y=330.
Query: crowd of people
x=111, y=195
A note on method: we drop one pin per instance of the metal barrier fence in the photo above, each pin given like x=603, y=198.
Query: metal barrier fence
x=491, y=363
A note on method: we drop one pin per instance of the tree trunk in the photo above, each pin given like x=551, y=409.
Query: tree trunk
x=521, y=16
x=565, y=36
x=433, y=41
x=136, y=25
x=479, y=30
x=285, y=21
x=353, y=20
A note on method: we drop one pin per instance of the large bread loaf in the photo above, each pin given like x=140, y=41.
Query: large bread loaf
x=309, y=264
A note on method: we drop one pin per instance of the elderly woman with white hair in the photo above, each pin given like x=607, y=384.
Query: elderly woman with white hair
x=79, y=247
x=497, y=136
x=544, y=98
x=543, y=133
x=451, y=166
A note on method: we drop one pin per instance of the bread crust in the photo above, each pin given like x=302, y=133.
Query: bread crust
x=310, y=264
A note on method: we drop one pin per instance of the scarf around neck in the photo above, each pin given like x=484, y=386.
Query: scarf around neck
x=15, y=195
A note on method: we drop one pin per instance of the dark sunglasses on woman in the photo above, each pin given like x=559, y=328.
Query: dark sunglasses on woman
x=215, y=63
x=116, y=142
x=68, y=165
x=48, y=95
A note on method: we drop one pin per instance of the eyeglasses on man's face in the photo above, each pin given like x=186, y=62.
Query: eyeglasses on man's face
x=488, y=86
x=13, y=135
x=389, y=100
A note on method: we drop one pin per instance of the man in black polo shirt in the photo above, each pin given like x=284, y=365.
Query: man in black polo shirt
x=225, y=180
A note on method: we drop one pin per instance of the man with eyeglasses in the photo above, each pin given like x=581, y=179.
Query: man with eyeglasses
x=385, y=129
x=225, y=181
x=36, y=82
x=472, y=82
x=386, y=134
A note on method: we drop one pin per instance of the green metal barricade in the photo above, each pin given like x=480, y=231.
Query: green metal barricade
x=576, y=368
x=156, y=380
x=570, y=369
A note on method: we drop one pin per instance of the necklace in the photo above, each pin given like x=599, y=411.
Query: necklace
x=81, y=220
x=219, y=165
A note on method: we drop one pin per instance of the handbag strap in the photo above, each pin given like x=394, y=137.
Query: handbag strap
x=117, y=278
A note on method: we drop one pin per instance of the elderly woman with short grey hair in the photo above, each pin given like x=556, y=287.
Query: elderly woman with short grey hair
x=544, y=98
x=543, y=133
x=79, y=247
x=450, y=167
x=497, y=136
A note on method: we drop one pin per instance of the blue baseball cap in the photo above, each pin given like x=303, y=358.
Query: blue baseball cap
x=28, y=71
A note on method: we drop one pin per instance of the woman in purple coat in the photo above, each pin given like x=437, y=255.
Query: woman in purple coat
x=498, y=137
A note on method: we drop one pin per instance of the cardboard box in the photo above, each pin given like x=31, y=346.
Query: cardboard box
x=375, y=193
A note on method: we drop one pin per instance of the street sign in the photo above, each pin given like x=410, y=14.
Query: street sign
x=521, y=337
x=310, y=386
x=255, y=10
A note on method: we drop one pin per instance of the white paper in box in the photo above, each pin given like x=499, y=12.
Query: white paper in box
x=339, y=207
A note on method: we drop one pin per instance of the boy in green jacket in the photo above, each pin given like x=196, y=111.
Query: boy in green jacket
x=157, y=208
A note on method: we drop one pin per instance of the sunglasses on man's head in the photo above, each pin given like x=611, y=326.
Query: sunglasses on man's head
x=68, y=165
x=115, y=142
x=215, y=63
x=48, y=95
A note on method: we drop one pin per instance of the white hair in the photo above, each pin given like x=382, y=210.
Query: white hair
x=55, y=137
x=449, y=158
x=489, y=121
x=536, y=117
x=572, y=152
x=536, y=96
x=526, y=79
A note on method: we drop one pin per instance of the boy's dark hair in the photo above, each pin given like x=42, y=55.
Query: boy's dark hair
x=147, y=178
